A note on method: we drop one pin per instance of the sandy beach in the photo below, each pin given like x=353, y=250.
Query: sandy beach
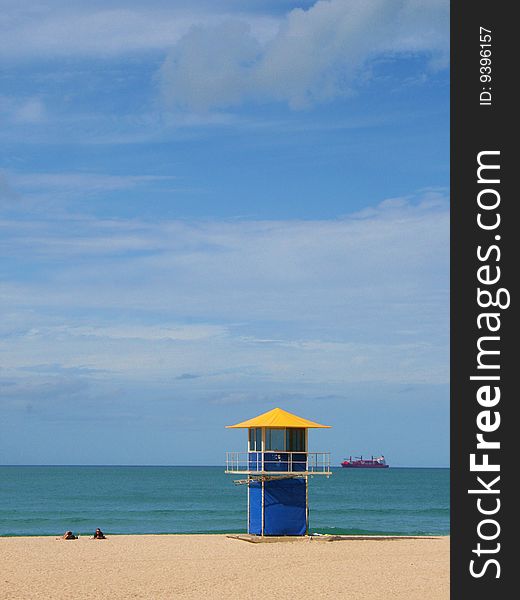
x=214, y=566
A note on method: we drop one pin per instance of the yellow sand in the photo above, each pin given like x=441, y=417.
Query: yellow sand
x=213, y=566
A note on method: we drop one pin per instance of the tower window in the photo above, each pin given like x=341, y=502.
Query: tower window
x=295, y=440
x=255, y=439
x=275, y=439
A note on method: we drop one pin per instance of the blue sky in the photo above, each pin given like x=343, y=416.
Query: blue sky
x=211, y=209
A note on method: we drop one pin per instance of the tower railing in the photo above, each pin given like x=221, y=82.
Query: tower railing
x=282, y=462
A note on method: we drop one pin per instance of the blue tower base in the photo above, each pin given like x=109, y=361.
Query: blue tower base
x=278, y=507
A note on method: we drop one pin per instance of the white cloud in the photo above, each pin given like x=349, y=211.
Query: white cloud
x=8, y=196
x=22, y=110
x=363, y=298
x=149, y=332
x=316, y=55
x=82, y=182
x=31, y=111
x=65, y=29
x=45, y=193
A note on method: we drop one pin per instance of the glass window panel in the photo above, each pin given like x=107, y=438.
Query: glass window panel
x=251, y=439
x=259, y=439
x=275, y=439
x=295, y=440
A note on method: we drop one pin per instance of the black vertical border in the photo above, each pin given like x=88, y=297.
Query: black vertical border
x=476, y=128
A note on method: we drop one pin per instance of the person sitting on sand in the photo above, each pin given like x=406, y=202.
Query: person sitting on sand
x=68, y=535
x=99, y=535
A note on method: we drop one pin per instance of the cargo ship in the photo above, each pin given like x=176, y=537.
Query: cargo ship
x=358, y=462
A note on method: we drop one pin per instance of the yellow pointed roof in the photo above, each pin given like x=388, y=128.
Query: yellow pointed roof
x=278, y=418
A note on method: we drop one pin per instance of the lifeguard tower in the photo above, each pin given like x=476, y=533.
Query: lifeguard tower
x=277, y=466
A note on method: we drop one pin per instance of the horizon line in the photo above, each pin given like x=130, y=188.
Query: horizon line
x=164, y=465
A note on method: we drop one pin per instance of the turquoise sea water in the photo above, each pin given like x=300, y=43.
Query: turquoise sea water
x=50, y=500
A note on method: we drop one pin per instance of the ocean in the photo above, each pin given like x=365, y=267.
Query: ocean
x=49, y=500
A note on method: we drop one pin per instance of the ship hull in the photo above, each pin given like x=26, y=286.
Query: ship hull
x=354, y=466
